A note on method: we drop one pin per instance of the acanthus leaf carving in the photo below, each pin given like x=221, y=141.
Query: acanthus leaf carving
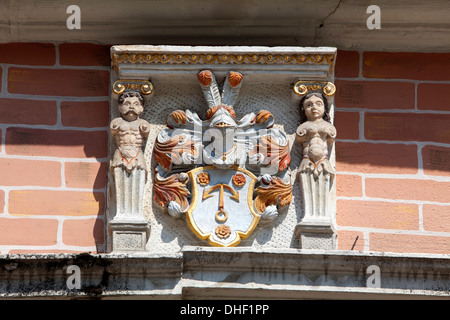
x=273, y=191
x=172, y=188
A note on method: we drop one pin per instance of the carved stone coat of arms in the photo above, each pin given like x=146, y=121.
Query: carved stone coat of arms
x=222, y=173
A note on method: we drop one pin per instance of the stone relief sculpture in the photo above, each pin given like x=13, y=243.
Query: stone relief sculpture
x=129, y=171
x=224, y=174
x=221, y=172
x=316, y=136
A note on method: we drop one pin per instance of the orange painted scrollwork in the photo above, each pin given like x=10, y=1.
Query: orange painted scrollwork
x=169, y=189
x=275, y=193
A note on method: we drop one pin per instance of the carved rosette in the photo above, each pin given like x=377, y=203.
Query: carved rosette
x=223, y=231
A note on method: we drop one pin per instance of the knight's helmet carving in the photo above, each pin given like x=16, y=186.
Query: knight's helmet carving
x=221, y=112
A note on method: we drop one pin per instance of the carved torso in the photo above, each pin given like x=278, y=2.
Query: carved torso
x=130, y=138
x=316, y=137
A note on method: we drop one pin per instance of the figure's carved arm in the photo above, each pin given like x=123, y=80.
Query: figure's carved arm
x=300, y=134
x=144, y=128
x=115, y=126
x=332, y=133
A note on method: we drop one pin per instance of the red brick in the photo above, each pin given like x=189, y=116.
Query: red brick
x=25, y=251
x=84, y=232
x=376, y=158
x=348, y=185
x=406, y=243
x=350, y=240
x=20, y=111
x=436, y=218
x=433, y=96
x=436, y=160
x=32, y=54
x=18, y=172
x=375, y=214
x=347, y=64
x=58, y=82
x=347, y=124
x=2, y=201
x=407, y=127
x=85, y=114
x=408, y=189
x=57, y=143
x=50, y=202
x=406, y=65
x=28, y=231
x=375, y=94
x=86, y=175
x=84, y=54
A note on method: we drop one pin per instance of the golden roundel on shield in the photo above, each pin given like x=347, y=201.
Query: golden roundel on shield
x=223, y=231
x=238, y=179
x=203, y=178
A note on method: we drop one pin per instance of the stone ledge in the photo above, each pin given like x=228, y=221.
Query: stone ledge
x=405, y=25
x=226, y=273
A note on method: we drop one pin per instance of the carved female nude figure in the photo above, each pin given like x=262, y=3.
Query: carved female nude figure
x=316, y=136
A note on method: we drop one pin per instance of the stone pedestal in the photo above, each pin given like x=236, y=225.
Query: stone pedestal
x=129, y=235
x=129, y=230
x=316, y=230
x=317, y=234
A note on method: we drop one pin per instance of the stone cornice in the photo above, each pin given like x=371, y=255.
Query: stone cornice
x=226, y=273
x=405, y=26
x=144, y=61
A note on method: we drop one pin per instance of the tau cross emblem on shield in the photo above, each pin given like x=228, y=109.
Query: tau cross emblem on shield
x=221, y=211
x=222, y=174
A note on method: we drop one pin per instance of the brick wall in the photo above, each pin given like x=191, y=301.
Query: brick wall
x=393, y=151
x=54, y=115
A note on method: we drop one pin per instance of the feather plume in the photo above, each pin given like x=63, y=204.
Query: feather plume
x=210, y=89
x=231, y=87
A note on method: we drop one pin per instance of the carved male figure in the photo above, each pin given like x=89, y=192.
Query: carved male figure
x=128, y=163
x=130, y=132
x=129, y=227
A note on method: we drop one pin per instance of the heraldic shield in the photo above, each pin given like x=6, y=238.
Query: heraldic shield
x=222, y=174
x=222, y=209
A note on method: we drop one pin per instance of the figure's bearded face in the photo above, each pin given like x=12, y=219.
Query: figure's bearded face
x=131, y=108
